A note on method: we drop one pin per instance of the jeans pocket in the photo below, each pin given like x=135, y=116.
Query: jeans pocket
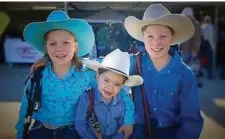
x=36, y=125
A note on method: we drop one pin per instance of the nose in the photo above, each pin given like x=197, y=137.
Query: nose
x=156, y=41
x=110, y=87
x=59, y=47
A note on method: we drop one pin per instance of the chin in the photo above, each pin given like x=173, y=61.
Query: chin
x=62, y=62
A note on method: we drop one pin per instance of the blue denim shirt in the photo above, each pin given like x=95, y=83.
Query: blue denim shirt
x=110, y=116
x=172, y=96
x=60, y=96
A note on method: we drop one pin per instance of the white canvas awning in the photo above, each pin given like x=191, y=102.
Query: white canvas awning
x=106, y=15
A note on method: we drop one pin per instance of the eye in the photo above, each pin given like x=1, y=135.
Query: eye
x=66, y=42
x=163, y=36
x=150, y=36
x=52, y=44
x=106, y=80
x=117, y=85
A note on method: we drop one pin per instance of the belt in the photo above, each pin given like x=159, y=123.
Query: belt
x=52, y=126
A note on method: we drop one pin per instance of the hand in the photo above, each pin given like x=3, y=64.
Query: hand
x=127, y=130
x=37, y=64
x=98, y=135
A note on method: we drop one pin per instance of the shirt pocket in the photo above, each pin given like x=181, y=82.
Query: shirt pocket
x=169, y=96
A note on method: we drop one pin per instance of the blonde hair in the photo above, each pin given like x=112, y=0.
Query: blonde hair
x=145, y=28
x=75, y=60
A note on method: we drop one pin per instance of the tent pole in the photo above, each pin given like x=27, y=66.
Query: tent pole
x=66, y=7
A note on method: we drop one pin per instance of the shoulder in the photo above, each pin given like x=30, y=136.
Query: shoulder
x=187, y=75
x=36, y=72
x=85, y=95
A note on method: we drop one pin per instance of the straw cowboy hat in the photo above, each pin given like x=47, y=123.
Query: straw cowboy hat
x=118, y=62
x=157, y=14
x=58, y=20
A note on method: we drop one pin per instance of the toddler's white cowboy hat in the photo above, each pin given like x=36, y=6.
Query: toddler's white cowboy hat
x=157, y=14
x=58, y=20
x=118, y=62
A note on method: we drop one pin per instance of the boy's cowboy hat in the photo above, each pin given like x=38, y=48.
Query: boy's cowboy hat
x=157, y=14
x=58, y=20
x=118, y=62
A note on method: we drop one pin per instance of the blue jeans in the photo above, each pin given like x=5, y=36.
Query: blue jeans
x=38, y=131
x=157, y=133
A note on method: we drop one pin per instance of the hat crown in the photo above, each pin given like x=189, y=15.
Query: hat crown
x=117, y=60
x=57, y=15
x=155, y=11
x=187, y=11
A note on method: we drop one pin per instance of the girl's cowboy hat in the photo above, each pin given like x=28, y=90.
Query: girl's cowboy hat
x=157, y=14
x=58, y=20
x=118, y=62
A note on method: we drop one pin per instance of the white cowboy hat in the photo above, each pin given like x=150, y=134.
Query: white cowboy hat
x=157, y=14
x=118, y=62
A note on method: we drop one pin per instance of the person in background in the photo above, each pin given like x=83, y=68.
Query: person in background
x=191, y=47
x=209, y=46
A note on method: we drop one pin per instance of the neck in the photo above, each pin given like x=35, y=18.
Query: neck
x=161, y=62
x=61, y=69
x=107, y=100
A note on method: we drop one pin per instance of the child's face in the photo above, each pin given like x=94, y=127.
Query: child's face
x=157, y=39
x=109, y=84
x=61, y=46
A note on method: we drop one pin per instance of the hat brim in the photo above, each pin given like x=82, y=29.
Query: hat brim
x=182, y=26
x=134, y=80
x=34, y=33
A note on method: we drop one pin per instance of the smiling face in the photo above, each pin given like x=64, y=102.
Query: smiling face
x=157, y=39
x=109, y=83
x=61, y=46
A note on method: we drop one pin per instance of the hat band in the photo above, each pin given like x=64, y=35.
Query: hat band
x=117, y=70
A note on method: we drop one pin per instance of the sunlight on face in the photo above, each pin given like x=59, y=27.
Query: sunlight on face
x=61, y=46
x=157, y=39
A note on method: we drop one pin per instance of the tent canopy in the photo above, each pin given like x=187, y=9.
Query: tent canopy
x=106, y=15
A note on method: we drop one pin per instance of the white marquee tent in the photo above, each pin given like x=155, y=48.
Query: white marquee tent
x=106, y=15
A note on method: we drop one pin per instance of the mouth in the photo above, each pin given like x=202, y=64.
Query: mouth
x=107, y=93
x=156, y=49
x=61, y=55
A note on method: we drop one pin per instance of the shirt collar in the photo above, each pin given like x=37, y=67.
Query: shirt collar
x=174, y=64
x=66, y=76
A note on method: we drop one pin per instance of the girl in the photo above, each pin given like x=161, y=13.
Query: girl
x=103, y=104
x=63, y=78
x=170, y=107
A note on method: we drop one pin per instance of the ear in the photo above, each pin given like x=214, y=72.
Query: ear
x=76, y=45
x=173, y=39
x=97, y=75
x=46, y=49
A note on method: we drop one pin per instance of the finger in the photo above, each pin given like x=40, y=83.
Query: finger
x=126, y=136
x=120, y=130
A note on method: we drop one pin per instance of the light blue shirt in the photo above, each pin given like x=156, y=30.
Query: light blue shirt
x=110, y=116
x=60, y=96
x=172, y=96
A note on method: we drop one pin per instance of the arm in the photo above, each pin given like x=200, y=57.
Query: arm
x=191, y=121
x=129, y=114
x=23, y=109
x=130, y=111
x=81, y=121
x=211, y=38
